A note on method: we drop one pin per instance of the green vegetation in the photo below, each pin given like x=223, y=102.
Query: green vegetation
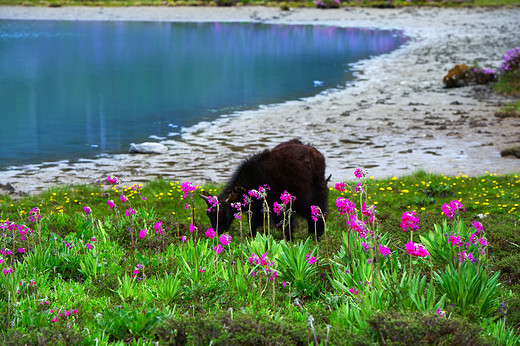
x=77, y=270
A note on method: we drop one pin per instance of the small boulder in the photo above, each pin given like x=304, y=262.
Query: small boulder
x=458, y=76
x=148, y=148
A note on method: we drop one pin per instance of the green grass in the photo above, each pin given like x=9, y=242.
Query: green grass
x=214, y=298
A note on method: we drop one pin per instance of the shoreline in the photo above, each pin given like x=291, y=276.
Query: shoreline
x=393, y=119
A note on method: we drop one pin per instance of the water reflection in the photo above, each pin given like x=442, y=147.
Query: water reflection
x=78, y=89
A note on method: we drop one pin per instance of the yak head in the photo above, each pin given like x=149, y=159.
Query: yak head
x=220, y=211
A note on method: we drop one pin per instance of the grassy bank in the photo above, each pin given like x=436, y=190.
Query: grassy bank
x=137, y=264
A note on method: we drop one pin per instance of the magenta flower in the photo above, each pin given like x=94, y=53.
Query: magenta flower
x=477, y=226
x=21, y=250
x=93, y=239
x=368, y=211
x=111, y=204
x=409, y=220
x=311, y=259
x=129, y=211
x=345, y=206
x=365, y=246
x=225, y=239
x=192, y=228
x=123, y=199
x=354, y=291
x=358, y=225
x=210, y=233
x=383, y=250
x=455, y=240
x=286, y=197
x=184, y=239
x=340, y=187
x=277, y=208
x=142, y=233
x=416, y=249
x=358, y=173
x=238, y=207
x=315, y=212
x=112, y=180
x=188, y=188
x=218, y=249
x=89, y=246
x=87, y=210
x=482, y=241
x=450, y=208
x=158, y=227
x=359, y=188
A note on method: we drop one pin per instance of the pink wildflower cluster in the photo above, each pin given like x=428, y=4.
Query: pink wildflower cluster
x=62, y=314
x=310, y=258
x=466, y=256
x=476, y=243
x=409, y=221
x=384, y=250
x=345, y=206
x=129, y=211
x=112, y=180
x=111, y=204
x=368, y=211
x=260, y=193
x=340, y=187
x=210, y=233
x=264, y=265
x=287, y=198
x=315, y=213
x=212, y=202
x=358, y=173
x=450, y=208
x=143, y=233
x=358, y=225
x=188, y=187
x=137, y=270
x=238, y=207
x=416, y=249
x=11, y=227
x=87, y=210
x=34, y=214
x=225, y=239
x=454, y=240
x=123, y=199
x=158, y=228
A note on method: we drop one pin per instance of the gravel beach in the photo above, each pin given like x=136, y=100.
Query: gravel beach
x=393, y=119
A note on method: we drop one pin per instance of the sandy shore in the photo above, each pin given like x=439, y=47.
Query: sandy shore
x=394, y=119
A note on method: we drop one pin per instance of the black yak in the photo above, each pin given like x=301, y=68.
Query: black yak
x=291, y=166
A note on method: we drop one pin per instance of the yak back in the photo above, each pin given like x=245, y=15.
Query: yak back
x=291, y=166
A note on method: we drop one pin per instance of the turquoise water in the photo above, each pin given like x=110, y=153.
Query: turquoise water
x=72, y=90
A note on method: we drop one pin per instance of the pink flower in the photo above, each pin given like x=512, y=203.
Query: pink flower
x=383, y=250
x=210, y=233
x=358, y=225
x=184, y=239
x=21, y=250
x=93, y=239
x=340, y=187
x=417, y=250
x=188, y=188
x=112, y=180
x=477, y=226
x=286, y=198
x=192, y=228
x=89, y=246
x=158, y=227
x=365, y=246
x=315, y=212
x=311, y=259
x=123, y=199
x=218, y=249
x=142, y=233
x=277, y=208
x=368, y=211
x=358, y=173
x=409, y=220
x=111, y=204
x=450, y=208
x=353, y=291
x=87, y=210
x=345, y=206
x=482, y=241
x=455, y=240
x=225, y=239
x=359, y=188
x=129, y=211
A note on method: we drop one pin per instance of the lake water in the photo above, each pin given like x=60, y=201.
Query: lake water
x=72, y=90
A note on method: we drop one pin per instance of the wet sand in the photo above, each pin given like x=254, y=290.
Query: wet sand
x=394, y=119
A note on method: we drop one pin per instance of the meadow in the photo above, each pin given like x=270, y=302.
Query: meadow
x=417, y=259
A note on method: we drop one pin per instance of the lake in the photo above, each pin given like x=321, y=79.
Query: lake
x=73, y=89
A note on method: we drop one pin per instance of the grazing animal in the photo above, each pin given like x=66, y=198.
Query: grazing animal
x=291, y=166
